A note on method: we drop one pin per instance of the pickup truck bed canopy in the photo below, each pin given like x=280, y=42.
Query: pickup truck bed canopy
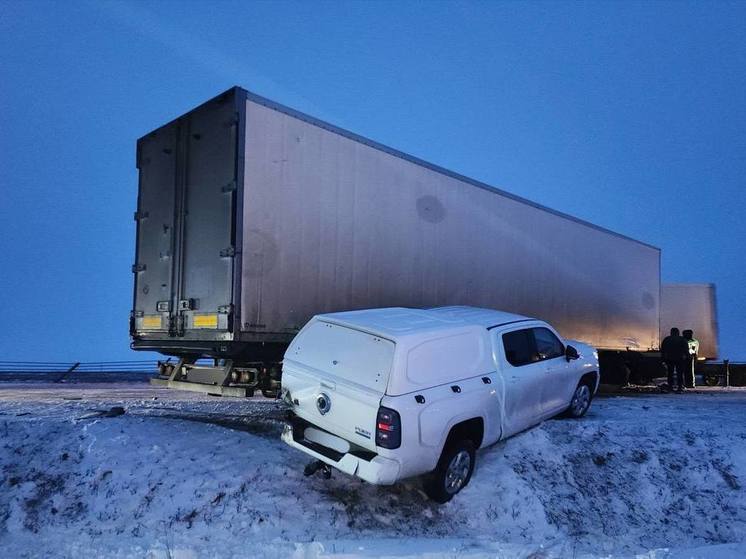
x=398, y=322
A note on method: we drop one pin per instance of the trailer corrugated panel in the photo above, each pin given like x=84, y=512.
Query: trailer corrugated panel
x=691, y=306
x=320, y=220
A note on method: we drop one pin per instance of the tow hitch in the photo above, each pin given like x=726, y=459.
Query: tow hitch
x=315, y=465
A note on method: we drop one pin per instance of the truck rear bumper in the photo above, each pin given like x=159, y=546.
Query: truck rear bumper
x=377, y=470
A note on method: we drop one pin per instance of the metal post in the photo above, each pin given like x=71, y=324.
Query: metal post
x=70, y=370
x=228, y=365
x=726, y=363
x=175, y=372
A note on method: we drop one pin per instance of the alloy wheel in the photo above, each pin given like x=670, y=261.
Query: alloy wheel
x=580, y=400
x=457, y=472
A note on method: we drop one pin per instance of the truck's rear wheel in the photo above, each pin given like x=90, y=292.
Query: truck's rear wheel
x=453, y=472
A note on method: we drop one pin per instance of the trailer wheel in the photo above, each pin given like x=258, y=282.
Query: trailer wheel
x=452, y=473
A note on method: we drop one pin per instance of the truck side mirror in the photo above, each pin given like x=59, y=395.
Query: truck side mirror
x=571, y=353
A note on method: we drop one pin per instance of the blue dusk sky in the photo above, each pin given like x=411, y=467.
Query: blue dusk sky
x=631, y=115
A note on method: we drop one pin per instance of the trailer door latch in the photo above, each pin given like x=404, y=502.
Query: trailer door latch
x=186, y=304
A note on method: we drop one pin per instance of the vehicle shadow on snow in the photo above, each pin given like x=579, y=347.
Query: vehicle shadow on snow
x=392, y=510
x=268, y=427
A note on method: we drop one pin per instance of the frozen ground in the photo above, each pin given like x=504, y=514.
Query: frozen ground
x=184, y=475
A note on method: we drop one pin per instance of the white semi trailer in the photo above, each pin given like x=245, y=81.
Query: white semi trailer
x=691, y=306
x=253, y=217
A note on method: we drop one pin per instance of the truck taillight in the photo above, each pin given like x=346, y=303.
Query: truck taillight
x=388, y=428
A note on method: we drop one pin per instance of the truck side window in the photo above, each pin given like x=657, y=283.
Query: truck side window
x=547, y=344
x=519, y=347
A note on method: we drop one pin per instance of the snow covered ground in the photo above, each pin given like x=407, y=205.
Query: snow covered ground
x=184, y=475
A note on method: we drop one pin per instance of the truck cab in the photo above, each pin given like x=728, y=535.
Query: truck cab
x=388, y=394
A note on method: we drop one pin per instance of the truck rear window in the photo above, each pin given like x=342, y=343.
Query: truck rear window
x=346, y=353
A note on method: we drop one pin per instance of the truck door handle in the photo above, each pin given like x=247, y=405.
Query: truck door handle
x=456, y=388
x=486, y=380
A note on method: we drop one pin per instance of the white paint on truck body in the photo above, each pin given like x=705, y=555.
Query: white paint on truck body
x=436, y=368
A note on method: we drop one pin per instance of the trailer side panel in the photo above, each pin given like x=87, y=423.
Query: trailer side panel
x=691, y=306
x=332, y=223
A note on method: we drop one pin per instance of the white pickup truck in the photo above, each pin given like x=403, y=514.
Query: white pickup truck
x=387, y=394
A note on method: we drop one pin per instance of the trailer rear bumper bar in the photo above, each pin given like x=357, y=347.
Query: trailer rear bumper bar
x=215, y=380
x=212, y=389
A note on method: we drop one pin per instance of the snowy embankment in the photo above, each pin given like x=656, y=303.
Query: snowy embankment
x=186, y=475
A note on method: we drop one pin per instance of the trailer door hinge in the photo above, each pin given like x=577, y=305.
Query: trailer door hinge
x=141, y=215
x=225, y=309
x=138, y=268
x=163, y=306
x=230, y=187
x=228, y=252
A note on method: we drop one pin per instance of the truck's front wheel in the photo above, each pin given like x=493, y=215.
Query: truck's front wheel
x=453, y=472
x=581, y=400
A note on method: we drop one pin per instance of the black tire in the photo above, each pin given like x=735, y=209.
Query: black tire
x=580, y=401
x=440, y=485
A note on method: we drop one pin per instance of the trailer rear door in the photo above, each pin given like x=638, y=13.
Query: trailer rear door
x=156, y=161
x=186, y=227
x=207, y=256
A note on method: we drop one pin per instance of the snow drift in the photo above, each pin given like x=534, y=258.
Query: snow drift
x=190, y=476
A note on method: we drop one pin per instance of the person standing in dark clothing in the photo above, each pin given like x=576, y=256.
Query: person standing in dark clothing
x=691, y=358
x=675, y=352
